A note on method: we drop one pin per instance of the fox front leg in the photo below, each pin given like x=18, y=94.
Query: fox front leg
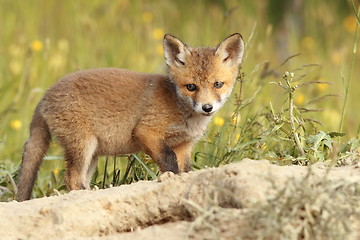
x=167, y=159
x=158, y=150
x=164, y=156
x=182, y=152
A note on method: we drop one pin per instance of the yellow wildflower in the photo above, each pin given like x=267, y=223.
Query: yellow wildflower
x=308, y=42
x=56, y=171
x=219, y=121
x=300, y=99
x=36, y=46
x=235, y=119
x=237, y=137
x=349, y=23
x=147, y=17
x=15, y=124
x=322, y=86
x=158, y=33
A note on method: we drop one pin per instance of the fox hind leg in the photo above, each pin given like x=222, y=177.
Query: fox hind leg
x=80, y=164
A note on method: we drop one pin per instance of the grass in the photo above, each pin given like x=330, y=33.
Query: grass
x=348, y=84
x=292, y=125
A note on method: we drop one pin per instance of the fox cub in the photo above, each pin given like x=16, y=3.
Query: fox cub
x=112, y=111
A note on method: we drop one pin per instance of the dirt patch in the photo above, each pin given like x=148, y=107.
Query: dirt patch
x=245, y=200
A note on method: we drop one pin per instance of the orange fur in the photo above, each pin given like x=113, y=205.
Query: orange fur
x=112, y=111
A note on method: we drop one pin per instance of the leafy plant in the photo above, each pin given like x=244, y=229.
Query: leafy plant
x=7, y=183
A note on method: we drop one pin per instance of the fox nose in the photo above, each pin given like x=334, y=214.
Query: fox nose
x=207, y=108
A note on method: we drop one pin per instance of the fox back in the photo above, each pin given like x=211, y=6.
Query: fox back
x=112, y=111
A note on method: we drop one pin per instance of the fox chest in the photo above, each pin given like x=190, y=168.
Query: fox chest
x=187, y=131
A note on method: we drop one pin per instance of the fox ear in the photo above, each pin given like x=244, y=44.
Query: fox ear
x=175, y=51
x=231, y=50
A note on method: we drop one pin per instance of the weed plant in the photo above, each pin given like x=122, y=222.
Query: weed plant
x=299, y=209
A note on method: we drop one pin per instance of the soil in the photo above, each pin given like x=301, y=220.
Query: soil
x=207, y=204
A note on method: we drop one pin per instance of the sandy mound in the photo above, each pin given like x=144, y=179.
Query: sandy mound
x=245, y=200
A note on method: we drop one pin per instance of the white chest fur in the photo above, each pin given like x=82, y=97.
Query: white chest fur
x=188, y=131
x=196, y=126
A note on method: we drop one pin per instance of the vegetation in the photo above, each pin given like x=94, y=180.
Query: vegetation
x=307, y=207
x=294, y=103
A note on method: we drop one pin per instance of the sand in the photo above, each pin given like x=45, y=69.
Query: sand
x=214, y=203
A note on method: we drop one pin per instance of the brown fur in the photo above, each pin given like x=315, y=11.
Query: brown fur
x=113, y=111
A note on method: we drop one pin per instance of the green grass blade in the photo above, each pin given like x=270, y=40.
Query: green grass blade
x=152, y=174
x=355, y=13
x=347, y=88
x=105, y=172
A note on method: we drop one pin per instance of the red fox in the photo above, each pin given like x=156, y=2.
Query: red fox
x=112, y=111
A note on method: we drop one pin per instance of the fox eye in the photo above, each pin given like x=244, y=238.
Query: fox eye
x=218, y=84
x=191, y=87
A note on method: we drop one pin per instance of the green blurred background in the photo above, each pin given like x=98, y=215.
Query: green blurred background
x=41, y=40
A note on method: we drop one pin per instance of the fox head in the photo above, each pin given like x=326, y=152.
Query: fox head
x=204, y=77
